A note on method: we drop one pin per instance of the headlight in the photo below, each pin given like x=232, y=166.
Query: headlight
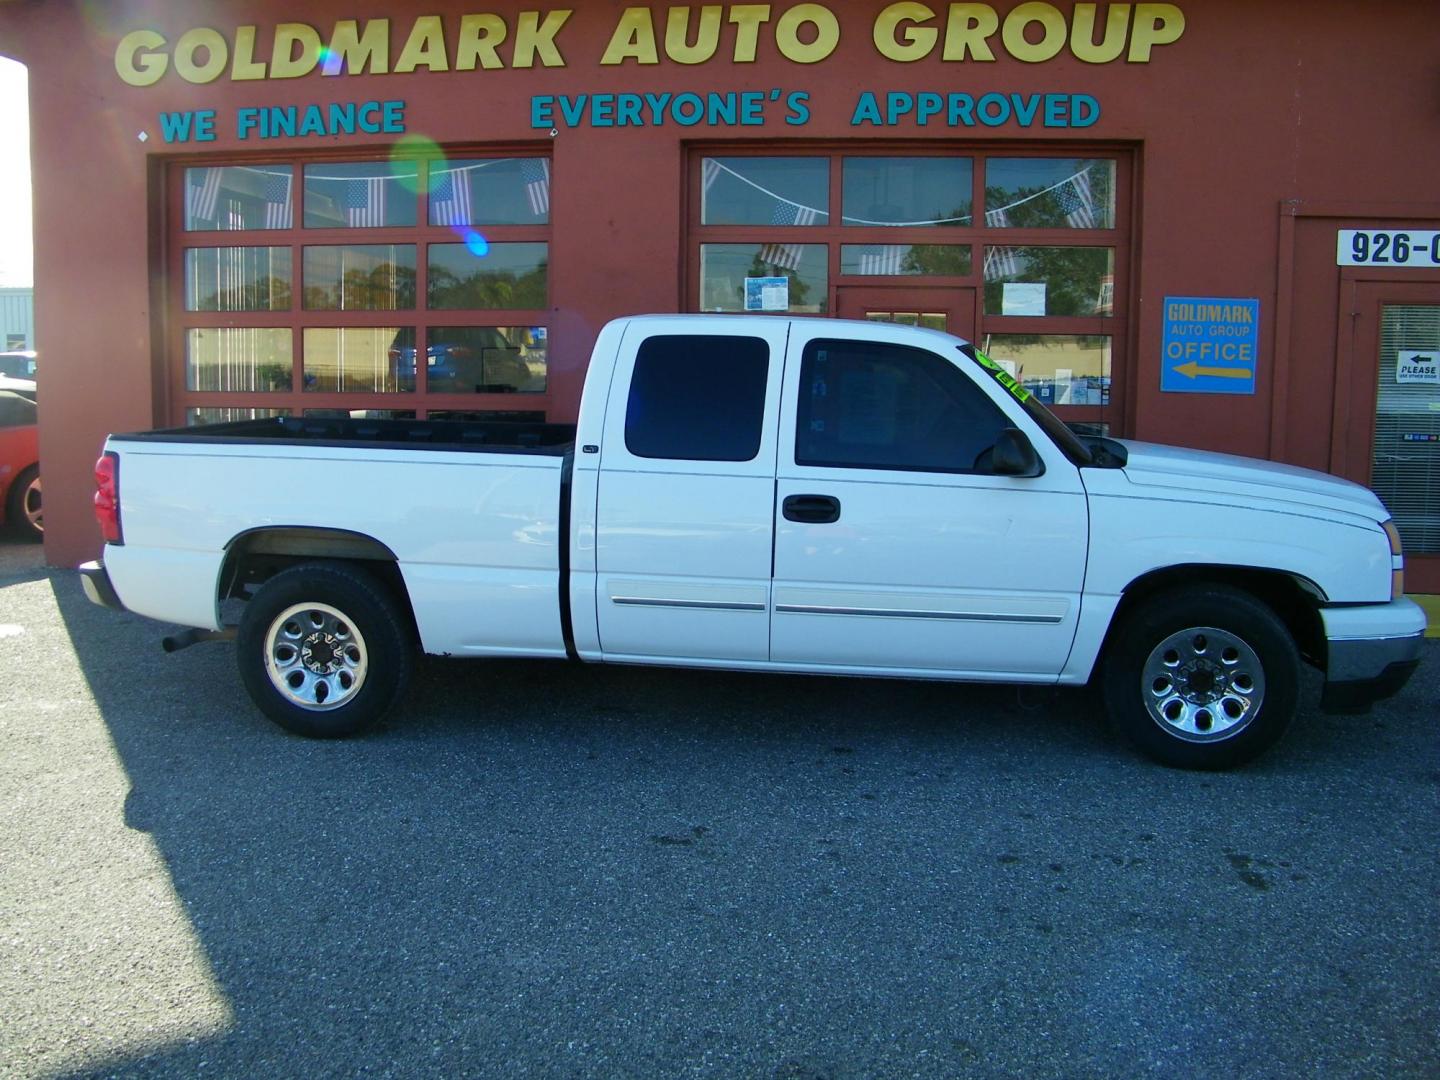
x=1397, y=559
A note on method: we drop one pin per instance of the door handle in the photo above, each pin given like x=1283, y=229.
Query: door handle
x=814, y=509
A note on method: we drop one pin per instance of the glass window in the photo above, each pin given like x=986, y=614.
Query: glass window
x=485, y=360
x=209, y=415
x=1059, y=369
x=239, y=197
x=359, y=277
x=488, y=276
x=1049, y=193
x=730, y=277
x=765, y=191
x=237, y=279
x=360, y=414
x=870, y=405
x=490, y=191
x=373, y=359
x=16, y=411
x=1074, y=281
x=897, y=260
x=361, y=195
x=238, y=359
x=906, y=191
x=697, y=398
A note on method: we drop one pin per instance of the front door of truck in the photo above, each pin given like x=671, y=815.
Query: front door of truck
x=686, y=486
x=896, y=549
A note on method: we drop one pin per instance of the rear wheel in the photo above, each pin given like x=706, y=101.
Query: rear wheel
x=24, y=510
x=1202, y=678
x=324, y=650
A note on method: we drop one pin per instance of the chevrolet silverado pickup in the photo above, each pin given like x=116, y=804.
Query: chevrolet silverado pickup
x=768, y=494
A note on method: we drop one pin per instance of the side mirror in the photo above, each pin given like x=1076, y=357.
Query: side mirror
x=1014, y=455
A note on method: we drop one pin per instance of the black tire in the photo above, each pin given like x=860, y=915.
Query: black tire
x=325, y=650
x=1202, y=677
x=23, y=510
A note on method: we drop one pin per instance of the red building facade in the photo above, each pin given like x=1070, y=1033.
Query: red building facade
x=1210, y=223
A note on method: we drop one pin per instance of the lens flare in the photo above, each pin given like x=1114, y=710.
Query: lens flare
x=478, y=245
x=407, y=152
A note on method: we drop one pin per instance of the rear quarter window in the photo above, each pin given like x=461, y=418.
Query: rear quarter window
x=696, y=397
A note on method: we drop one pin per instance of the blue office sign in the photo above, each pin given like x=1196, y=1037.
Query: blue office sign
x=1209, y=345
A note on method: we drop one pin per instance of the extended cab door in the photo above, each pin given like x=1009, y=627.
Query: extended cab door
x=684, y=515
x=896, y=547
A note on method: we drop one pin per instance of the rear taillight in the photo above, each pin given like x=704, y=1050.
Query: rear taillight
x=107, y=497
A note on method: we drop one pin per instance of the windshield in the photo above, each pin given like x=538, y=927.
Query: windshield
x=1051, y=424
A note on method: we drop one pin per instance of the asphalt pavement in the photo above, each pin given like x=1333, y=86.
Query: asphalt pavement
x=549, y=870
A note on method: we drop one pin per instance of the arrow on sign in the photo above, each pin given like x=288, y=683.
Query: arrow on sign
x=1192, y=370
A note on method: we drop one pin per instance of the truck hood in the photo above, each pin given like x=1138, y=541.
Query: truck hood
x=1207, y=476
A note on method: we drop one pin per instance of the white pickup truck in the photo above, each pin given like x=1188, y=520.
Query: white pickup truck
x=768, y=494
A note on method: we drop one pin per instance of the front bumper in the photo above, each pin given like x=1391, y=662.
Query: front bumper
x=1371, y=652
x=96, y=583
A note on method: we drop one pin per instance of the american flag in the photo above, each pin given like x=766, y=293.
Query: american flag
x=882, y=259
x=278, y=205
x=1001, y=262
x=711, y=172
x=365, y=202
x=450, y=198
x=997, y=218
x=536, y=174
x=202, y=190
x=1076, y=201
x=787, y=213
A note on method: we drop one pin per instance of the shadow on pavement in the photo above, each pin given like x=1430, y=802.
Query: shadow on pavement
x=548, y=869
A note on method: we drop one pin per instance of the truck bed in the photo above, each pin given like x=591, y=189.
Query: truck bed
x=492, y=436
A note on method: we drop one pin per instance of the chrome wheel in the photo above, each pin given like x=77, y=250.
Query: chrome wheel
x=30, y=506
x=315, y=656
x=1203, y=684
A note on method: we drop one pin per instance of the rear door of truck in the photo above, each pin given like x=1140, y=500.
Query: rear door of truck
x=685, y=502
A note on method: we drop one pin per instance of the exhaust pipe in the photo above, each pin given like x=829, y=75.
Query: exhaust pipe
x=186, y=638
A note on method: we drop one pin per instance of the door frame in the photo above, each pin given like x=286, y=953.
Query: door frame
x=959, y=303
x=1352, y=445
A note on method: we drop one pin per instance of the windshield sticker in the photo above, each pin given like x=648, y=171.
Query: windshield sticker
x=1004, y=378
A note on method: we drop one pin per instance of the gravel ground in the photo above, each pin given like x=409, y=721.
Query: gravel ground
x=544, y=870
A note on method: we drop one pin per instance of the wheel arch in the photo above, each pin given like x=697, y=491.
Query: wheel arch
x=1294, y=598
x=256, y=555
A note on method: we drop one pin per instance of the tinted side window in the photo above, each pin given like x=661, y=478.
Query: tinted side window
x=15, y=411
x=869, y=405
x=697, y=398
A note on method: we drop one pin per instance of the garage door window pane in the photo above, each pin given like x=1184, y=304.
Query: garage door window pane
x=226, y=416
x=765, y=191
x=1059, y=369
x=732, y=277
x=905, y=260
x=907, y=191
x=1049, y=193
x=237, y=279
x=697, y=398
x=486, y=360
x=1049, y=280
x=360, y=277
x=239, y=197
x=490, y=191
x=352, y=359
x=238, y=359
x=504, y=276
x=364, y=195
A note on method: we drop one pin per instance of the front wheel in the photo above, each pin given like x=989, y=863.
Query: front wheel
x=324, y=650
x=1202, y=678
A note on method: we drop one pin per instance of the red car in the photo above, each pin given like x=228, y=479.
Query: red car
x=20, y=465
